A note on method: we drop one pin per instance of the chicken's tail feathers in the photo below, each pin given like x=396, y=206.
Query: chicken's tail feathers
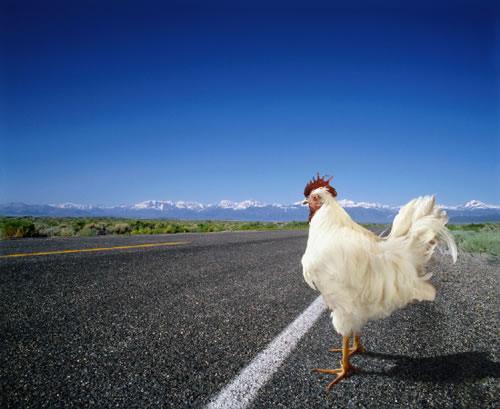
x=445, y=236
x=421, y=223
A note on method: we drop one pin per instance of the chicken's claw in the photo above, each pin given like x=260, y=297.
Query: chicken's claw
x=341, y=372
x=345, y=365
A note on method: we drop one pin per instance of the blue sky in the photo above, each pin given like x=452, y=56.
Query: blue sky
x=115, y=102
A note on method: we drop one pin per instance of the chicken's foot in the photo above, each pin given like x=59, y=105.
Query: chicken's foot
x=345, y=365
x=356, y=347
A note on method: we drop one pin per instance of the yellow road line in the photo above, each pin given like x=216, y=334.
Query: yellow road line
x=98, y=249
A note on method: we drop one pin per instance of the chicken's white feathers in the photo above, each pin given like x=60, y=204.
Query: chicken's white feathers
x=364, y=277
x=421, y=221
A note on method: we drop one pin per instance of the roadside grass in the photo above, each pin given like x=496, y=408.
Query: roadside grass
x=17, y=227
x=478, y=238
x=487, y=242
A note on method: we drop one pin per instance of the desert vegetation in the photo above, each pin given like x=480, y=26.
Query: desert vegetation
x=471, y=238
x=478, y=238
x=16, y=227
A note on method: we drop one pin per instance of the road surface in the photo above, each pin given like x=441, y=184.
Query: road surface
x=172, y=325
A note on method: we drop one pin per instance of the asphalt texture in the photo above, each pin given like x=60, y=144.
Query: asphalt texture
x=170, y=326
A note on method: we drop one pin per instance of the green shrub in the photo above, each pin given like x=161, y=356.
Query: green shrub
x=204, y=227
x=66, y=232
x=171, y=228
x=296, y=225
x=50, y=222
x=99, y=228
x=120, y=228
x=78, y=224
x=220, y=227
x=18, y=228
x=466, y=227
x=86, y=232
x=187, y=229
x=48, y=231
x=250, y=226
x=141, y=225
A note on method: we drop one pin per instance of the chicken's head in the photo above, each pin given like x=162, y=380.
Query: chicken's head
x=313, y=199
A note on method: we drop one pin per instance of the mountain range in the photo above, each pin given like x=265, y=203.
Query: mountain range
x=248, y=210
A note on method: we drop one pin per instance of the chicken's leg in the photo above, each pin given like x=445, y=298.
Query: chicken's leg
x=345, y=365
x=356, y=347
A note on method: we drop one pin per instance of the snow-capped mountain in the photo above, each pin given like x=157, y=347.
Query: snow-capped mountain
x=229, y=204
x=349, y=203
x=363, y=212
x=153, y=204
x=70, y=205
x=472, y=205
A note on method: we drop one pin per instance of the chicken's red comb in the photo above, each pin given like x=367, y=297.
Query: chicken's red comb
x=319, y=182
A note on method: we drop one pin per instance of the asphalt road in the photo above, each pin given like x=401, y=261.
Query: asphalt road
x=170, y=326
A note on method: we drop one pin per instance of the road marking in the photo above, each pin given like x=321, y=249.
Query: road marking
x=241, y=392
x=98, y=249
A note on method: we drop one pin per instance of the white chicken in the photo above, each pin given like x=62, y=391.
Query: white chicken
x=361, y=276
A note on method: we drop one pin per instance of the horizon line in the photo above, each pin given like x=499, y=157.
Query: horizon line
x=232, y=201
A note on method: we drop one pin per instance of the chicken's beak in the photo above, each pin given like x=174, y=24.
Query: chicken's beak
x=305, y=202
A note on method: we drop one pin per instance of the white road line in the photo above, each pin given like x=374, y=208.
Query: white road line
x=241, y=392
